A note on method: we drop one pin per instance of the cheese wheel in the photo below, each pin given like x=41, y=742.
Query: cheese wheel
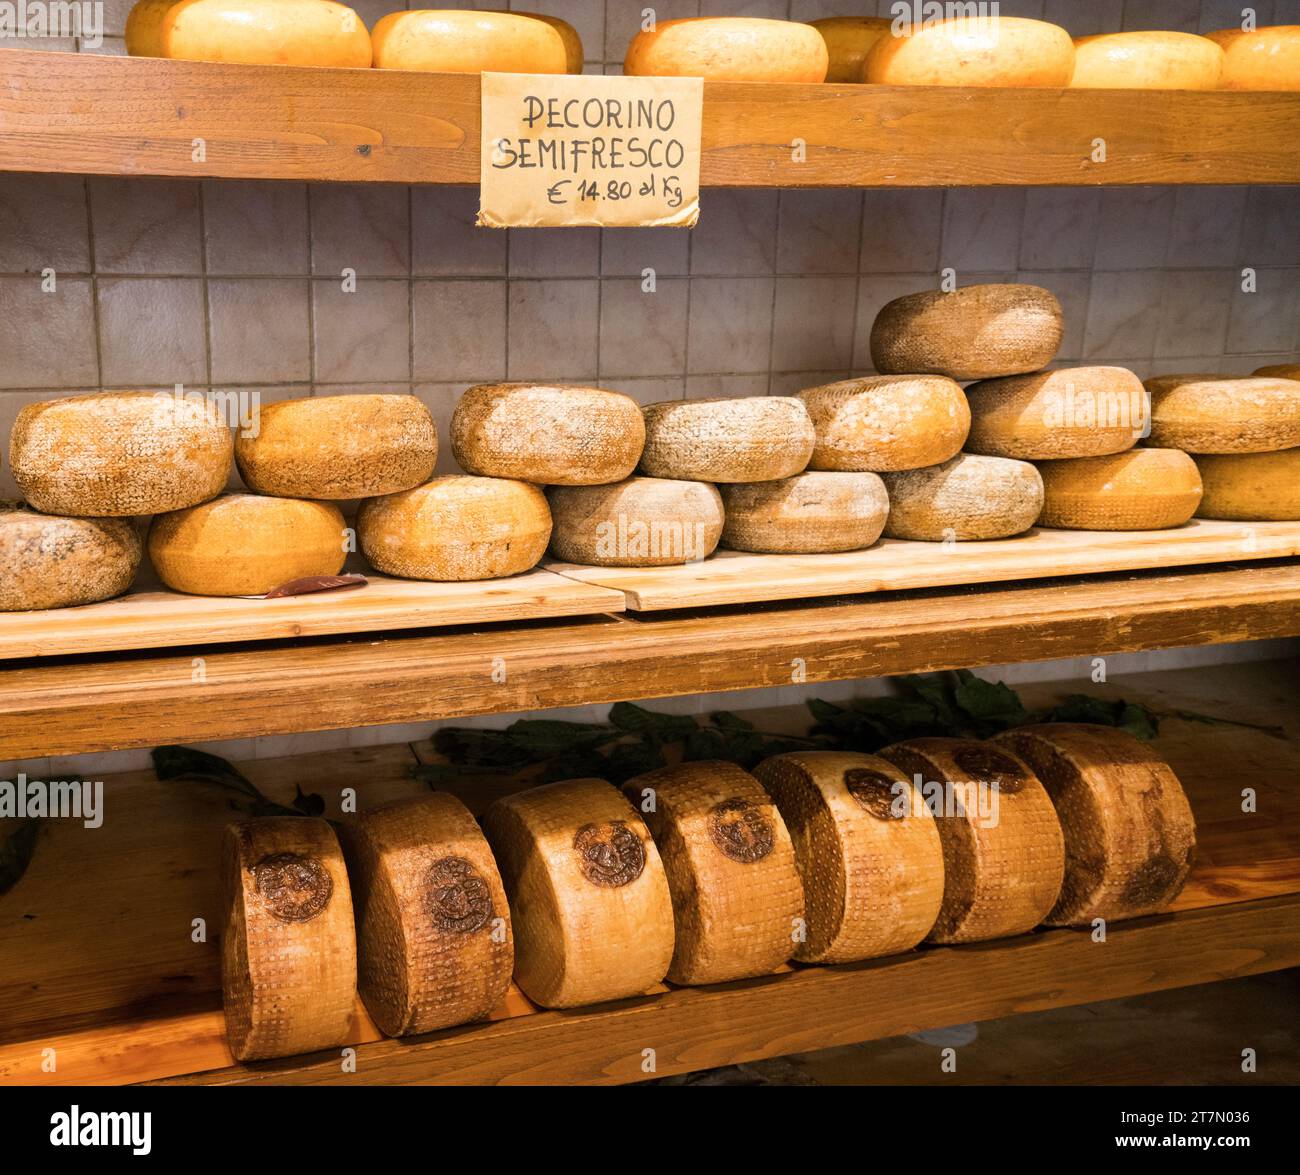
x=641, y=522
x=968, y=497
x=1003, y=851
x=551, y=435
x=886, y=422
x=456, y=528
x=868, y=851
x=262, y=32
x=1157, y=384
x=1257, y=415
x=463, y=41
x=1280, y=371
x=1074, y=412
x=573, y=51
x=55, y=562
x=729, y=49
x=1264, y=59
x=808, y=514
x=1250, y=487
x=848, y=41
x=589, y=905
x=975, y=332
x=1143, y=489
x=144, y=27
x=433, y=947
x=752, y=438
x=114, y=454
x=245, y=545
x=288, y=948
x=736, y=895
x=1146, y=60
x=974, y=51
x=339, y=447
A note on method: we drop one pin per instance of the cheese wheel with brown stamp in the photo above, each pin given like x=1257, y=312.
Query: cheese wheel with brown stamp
x=56, y=562
x=848, y=41
x=1250, y=487
x=974, y=51
x=729, y=49
x=1143, y=489
x=1146, y=60
x=590, y=911
x=967, y=498
x=750, y=438
x=1255, y=415
x=811, y=513
x=265, y=32
x=1266, y=58
x=462, y=41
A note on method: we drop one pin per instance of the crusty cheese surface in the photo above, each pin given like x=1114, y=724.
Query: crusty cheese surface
x=968, y=497
x=263, y=32
x=810, y=513
x=1158, y=384
x=1264, y=59
x=1147, y=60
x=848, y=41
x=460, y=41
x=1142, y=489
x=55, y=562
x=729, y=49
x=751, y=438
x=1250, y=487
x=1005, y=51
x=1256, y=415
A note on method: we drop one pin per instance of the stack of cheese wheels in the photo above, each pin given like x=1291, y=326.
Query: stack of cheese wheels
x=1142, y=489
x=1198, y=415
x=974, y=51
x=456, y=528
x=115, y=454
x=463, y=41
x=547, y=434
x=1128, y=828
x=975, y=332
x=339, y=447
x=848, y=41
x=967, y=497
x=1262, y=59
x=288, y=946
x=589, y=905
x=868, y=851
x=1250, y=487
x=729, y=49
x=640, y=522
x=433, y=947
x=736, y=895
x=53, y=562
x=811, y=513
x=753, y=438
x=1147, y=60
x=1280, y=371
x=1003, y=852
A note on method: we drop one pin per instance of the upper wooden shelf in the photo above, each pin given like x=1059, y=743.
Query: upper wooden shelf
x=87, y=114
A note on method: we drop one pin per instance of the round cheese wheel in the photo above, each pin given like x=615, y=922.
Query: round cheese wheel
x=1157, y=384
x=729, y=49
x=265, y=32
x=144, y=27
x=975, y=332
x=868, y=851
x=114, y=454
x=974, y=51
x=589, y=905
x=55, y=562
x=1003, y=851
x=808, y=514
x=339, y=447
x=641, y=522
x=288, y=947
x=433, y=942
x=969, y=497
x=1264, y=59
x=736, y=895
x=1146, y=60
x=551, y=435
x=753, y=438
x=1280, y=371
x=1257, y=415
x=1250, y=487
x=1143, y=489
x=573, y=51
x=456, y=528
x=848, y=41
x=886, y=422
x=1074, y=412
x=245, y=545
x=462, y=41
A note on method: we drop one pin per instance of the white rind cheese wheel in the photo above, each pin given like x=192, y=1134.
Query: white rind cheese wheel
x=729, y=49
x=460, y=41
x=456, y=528
x=262, y=32
x=288, y=947
x=1128, y=828
x=1143, y=489
x=433, y=942
x=736, y=895
x=868, y=850
x=339, y=447
x=1280, y=371
x=812, y=513
x=967, y=498
x=976, y=332
x=245, y=545
x=115, y=454
x=55, y=562
x=751, y=438
x=1146, y=60
x=1250, y=487
x=1264, y=59
x=589, y=905
x=1257, y=415
x=966, y=51
x=641, y=522
x=848, y=41
x=547, y=434
x=1003, y=851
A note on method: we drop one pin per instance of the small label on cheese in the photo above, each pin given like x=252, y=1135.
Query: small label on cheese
x=561, y=149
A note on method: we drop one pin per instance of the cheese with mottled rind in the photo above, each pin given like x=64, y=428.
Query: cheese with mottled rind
x=750, y=438
x=1142, y=489
x=1146, y=60
x=848, y=41
x=261, y=32
x=808, y=514
x=54, y=562
x=1250, y=487
x=968, y=497
x=1265, y=58
x=979, y=51
x=1255, y=415
x=729, y=49
x=460, y=41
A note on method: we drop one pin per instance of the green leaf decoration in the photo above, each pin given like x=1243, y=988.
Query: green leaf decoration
x=16, y=851
x=185, y=764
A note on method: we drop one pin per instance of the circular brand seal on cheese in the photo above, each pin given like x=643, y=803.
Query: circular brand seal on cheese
x=740, y=830
x=609, y=854
x=458, y=898
x=295, y=888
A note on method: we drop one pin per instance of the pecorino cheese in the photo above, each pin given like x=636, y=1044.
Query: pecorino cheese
x=1257, y=415
x=245, y=544
x=339, y=447
x=547, y=434
x=1157, y=384
x=1128, y=828
x=55, y=562
x=1143, y=489
x=729, y=49
x=736, y=895
x=460, y=41
x=590, y=910
x=114, y=454
x=848, y=41
x=1264, y=59
x=1146, y=60
x=1250, y=487
x=573, y=51
x=144, y=27
x=288, y=947
x=261, y=32
x=456, y=528
x=752, y=438
x=1280, y=371
x=808, y=514
x=974, y=51
x=975, y=332
x=969, y=497
x=868, y=850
